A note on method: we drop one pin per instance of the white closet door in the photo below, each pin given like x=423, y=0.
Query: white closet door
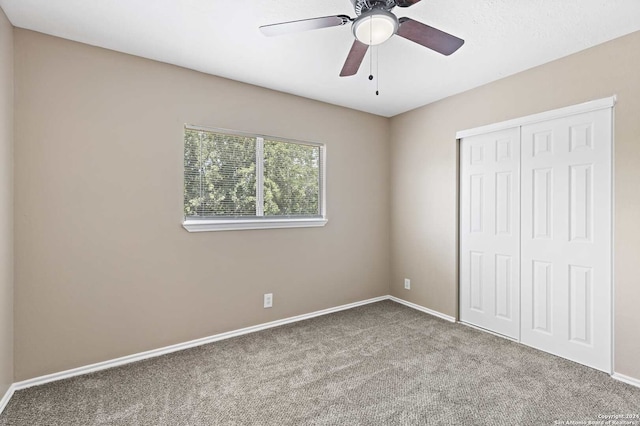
x=490, y=231
x=566, y=237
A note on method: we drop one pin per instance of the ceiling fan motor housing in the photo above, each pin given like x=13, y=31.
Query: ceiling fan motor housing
x=362, y=6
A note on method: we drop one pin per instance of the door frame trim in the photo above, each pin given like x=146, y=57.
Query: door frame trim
x=542, y=116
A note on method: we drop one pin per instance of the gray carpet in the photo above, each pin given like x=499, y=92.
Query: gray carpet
x=380, y=364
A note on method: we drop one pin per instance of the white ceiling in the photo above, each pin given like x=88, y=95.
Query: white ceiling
x=221, y=37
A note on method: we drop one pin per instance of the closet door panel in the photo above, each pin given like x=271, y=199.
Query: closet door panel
x=566, y=237
x=490, y=232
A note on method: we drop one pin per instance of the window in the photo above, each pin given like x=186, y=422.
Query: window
x=240, y=181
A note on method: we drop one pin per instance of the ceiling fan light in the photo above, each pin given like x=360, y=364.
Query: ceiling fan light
x=375, y=27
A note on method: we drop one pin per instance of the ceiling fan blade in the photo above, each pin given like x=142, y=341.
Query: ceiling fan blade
x=406, y=3
x=356, y=55
x=304, y=25
x=430, y=37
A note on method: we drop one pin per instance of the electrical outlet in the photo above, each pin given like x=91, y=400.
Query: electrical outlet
x=407, y=284
x=268, y=300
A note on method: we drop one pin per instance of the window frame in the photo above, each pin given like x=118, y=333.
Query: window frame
x=259, y=222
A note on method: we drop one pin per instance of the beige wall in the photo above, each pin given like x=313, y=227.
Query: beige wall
x=424, y=173
x=103, y=268
x=103, y=265
x=6, y=203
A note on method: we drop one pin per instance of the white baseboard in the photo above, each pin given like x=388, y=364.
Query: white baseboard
x=423, y=309
x=626, y=379
x=7, y=396
x=205, y=340
x=36, y=381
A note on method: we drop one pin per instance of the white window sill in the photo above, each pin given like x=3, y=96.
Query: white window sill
x=237, y=225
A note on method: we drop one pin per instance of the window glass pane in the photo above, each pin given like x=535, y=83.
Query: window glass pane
x=291, y=179
x=220, y=175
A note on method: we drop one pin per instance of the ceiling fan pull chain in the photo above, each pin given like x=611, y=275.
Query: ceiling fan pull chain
x=371, y=52
x=377, y=72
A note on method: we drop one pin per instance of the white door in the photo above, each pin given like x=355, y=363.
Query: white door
x=566, y=237
x=490, y=231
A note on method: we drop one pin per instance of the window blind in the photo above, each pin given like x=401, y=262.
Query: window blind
x=229, y=176
x=292, y=179
x=220, y=175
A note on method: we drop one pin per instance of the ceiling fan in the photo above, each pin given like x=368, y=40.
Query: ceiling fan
x=374, y=24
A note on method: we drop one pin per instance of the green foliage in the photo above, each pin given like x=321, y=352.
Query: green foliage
x=220, y=177
x=291, y=179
